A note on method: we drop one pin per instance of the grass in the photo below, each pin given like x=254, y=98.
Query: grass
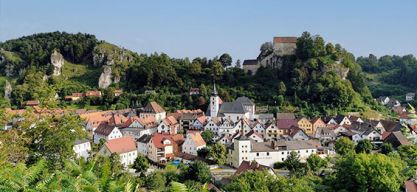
x=81, y=74
x=10, y=56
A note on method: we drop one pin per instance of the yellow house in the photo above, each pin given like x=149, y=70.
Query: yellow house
x=305, y=125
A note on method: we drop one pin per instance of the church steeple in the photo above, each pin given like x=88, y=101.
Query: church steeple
x=214, y=93
x=214, y=102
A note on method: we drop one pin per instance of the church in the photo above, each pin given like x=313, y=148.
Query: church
x=242, y=107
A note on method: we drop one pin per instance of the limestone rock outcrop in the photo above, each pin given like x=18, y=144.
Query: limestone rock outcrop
x=57, y=61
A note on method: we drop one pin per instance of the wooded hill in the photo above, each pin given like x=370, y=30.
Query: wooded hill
x=307, y=83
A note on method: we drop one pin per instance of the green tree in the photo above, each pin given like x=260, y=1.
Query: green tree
x=226, y=60
x=218, y=153
x=203, y=152
x=237, y=64
x=368, y=172
x=141, y=164
x=156, y=181
x=315, y=163
x=386, y=148
x=282, y=88
x=217, y=70
x=198, y=171
x=344, y=146
x=293, y=164
x=207, y=135
x=364, y=146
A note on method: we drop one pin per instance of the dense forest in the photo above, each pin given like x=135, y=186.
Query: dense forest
x=390, y=75
x=321, y=78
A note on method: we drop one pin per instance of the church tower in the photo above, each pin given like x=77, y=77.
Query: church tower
x=214, y=102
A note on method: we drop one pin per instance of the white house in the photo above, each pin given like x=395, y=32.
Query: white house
x=193, y=142
x=168, y=125
x=125, y=147
x=199, y=123
x=213, y=124
x=143, y=144
x=228, y=127
x=82, y=148
x=106, y=132
x=268, y=153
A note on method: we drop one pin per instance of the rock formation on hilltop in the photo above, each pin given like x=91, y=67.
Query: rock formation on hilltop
x=57, y=61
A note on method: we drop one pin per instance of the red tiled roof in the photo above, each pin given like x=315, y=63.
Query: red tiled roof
x=250, y=166
x=94, y=93
x=154, y=107
x=196, y=137
x=285, y=39
x=121, y=145
x=286, y=123
x=158, y=138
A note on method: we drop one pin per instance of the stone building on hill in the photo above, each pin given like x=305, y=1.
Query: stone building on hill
x=272, y=56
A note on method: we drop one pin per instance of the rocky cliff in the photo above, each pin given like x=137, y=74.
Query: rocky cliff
x=114, y=61
x=10, y=63
x=57, y=61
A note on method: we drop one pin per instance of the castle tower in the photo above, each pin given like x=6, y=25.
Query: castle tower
x=214, y=102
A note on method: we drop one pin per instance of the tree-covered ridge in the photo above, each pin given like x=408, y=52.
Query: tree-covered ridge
x=319, y=79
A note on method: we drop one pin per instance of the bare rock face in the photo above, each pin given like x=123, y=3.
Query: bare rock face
x=7, y=90
x=106, y=77
x=57, y=60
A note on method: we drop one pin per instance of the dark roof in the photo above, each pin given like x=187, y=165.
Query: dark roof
x=397, y=139
x=391, y=126
x=251, y=166
x=285, y=116
x=250, y=62
x=339, y=118
x=104, y=129
x=144, y=139
x=235, y=106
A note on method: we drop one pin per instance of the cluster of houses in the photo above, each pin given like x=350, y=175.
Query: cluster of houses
x=265, y=138
x=89, y=94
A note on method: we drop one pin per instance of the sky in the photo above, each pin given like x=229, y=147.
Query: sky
x=208, y=28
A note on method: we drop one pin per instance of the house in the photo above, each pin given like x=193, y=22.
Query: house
x=325, y=135
x=255, y=136
x=316, y=123
x=271, y=131
x=187, y=120
x=397, y=139
x=284, y=125
x=342, y=120
x=194, y=91
x=82, y=148
x=391, y=126
x=199, y=123
x=409, y=96
x=285, y=116
x=250, y=66
x=31, y=103
x=125, y=147
x=137, y=127
x=383, y=100
x=372, y=134
x=162, y=147
x=143, y=143
x=354, y=136
x=297, y=134
x=213, y=124
x=353, y=119
x=267, y=153
x=264, y=117
x=153, y=109
x=106, y=132
x=253, y=166
x=168, y=125
x=74, y=97
x=393, y=103
x=193, y=142
x=304, y=124
x=229, y=127
x=94, y=93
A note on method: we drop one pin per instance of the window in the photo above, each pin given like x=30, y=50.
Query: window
x=267, y=153
x=282, y=153
x=257, y=154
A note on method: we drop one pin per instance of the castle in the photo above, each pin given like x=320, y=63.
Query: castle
x=281, y=46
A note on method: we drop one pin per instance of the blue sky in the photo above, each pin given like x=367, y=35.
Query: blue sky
x=191, y=28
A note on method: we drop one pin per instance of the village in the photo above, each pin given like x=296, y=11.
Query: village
x=252, y=141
